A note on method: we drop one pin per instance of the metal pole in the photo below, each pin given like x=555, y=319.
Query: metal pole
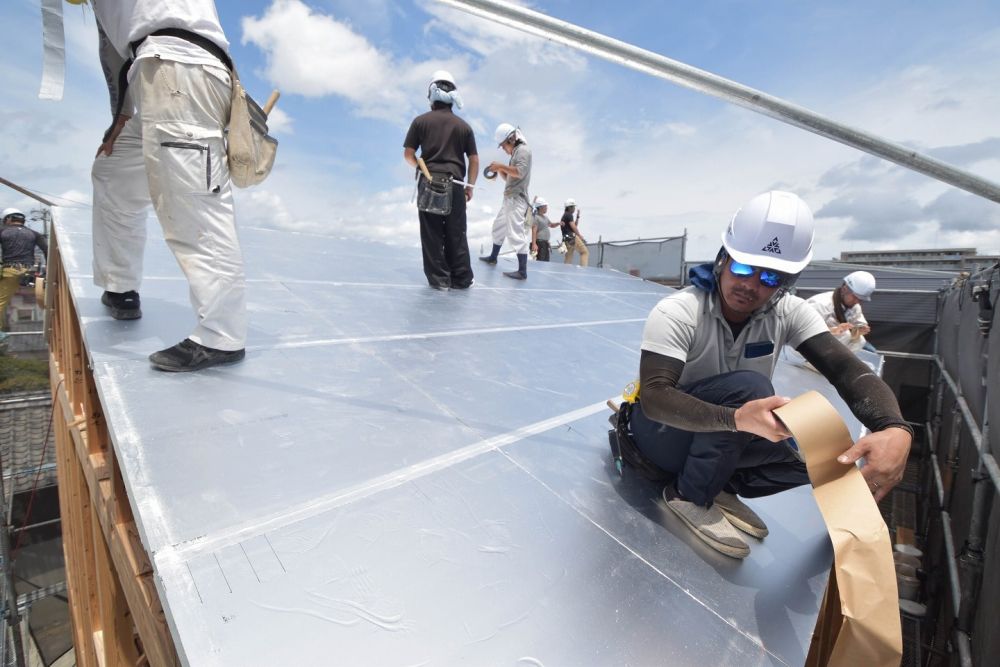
x=25, y=191
x=988, y=461
x=677, y=72
x=971, y=561
x=13, y=616
x=684, y=240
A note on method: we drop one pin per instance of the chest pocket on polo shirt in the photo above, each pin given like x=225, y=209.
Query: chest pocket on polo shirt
x=758, y=357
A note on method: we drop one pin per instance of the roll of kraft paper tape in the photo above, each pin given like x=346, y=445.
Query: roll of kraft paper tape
x=859, y=622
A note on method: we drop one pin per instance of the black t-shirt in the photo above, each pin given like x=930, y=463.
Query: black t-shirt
x=17, y=243
x=567, y=230
x=444, y=140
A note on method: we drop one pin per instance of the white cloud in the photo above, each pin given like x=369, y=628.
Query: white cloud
x=313, y=54
x=279, y=122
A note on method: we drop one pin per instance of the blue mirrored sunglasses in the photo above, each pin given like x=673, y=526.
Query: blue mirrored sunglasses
x=767, y=277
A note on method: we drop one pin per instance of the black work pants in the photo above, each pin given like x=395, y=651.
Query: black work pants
x=706, y=463
x=543, y=250
x=445, y=246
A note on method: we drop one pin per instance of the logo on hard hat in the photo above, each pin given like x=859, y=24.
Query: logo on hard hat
x=773, y=247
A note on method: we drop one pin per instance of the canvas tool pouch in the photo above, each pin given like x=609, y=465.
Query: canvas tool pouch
x=250, y=148
x=434, y=196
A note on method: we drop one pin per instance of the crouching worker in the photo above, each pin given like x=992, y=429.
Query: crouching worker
x=704, y=417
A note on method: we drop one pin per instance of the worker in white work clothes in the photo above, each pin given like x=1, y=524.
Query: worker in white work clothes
x=513, y=222
x=703, y=421
x=168, y=72
x=841, y=310
x=17, y=252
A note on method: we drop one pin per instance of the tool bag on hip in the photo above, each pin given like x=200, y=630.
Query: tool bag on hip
x=624, y=449
x=250, y=149
x=434, y=196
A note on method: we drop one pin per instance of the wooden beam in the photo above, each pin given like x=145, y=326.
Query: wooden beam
x=109, y=575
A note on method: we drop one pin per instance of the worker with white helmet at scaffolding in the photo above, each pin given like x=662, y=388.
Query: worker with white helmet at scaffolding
x=514, y=219
x=703, y=421
x=17, y=251
x=841, y=309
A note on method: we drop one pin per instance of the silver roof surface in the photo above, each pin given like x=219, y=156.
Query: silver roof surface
x=400, y=476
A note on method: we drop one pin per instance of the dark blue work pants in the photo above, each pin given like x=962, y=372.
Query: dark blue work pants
x=706, y=463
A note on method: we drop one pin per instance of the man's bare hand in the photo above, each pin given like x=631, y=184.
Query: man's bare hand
x=109, y=141
x=885, y=455
x=757, y=417
x=468, y=193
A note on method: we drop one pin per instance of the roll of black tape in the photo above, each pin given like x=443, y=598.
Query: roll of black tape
x=489, y=174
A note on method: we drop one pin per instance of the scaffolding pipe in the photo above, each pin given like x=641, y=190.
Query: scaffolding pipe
x=964, y=648
x=988, y=461
x=936, y=474
x=971, y=560
x=619, y=52
x=907, y=355
x=12, y=615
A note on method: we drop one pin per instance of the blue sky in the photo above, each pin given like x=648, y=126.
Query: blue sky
x=643, y=157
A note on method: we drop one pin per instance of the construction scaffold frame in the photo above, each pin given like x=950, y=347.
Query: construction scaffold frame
x=950, y=422
x=114, y=605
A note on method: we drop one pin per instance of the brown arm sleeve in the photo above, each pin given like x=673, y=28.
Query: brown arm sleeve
x=662, y=401
x=865, y=393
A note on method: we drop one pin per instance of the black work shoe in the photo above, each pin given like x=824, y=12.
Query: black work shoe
x=123, y=305
x=488, y=260
x=516, y=275
x=188, y=355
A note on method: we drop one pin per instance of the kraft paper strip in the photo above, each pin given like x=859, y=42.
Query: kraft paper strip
x=866, y=628
x=53, y=51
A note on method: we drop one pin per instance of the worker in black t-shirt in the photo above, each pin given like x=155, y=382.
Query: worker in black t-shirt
x=571, y=234
x=17, y=250
x=445, y=142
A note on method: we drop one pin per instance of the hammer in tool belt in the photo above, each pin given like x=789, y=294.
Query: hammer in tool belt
x=427, y=174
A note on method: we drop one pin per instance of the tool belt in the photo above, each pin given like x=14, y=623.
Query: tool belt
x=435, y=196
x=249, y=147
x=624, y=450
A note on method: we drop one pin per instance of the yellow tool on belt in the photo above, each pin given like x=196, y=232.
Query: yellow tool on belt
x=631, y=392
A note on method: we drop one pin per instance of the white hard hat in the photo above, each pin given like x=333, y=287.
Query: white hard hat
x=11, y=211
x=503, y=132
x=443, y=75
x=862, y=284
x=773, y=230
x=540, y=202
x=569, y=202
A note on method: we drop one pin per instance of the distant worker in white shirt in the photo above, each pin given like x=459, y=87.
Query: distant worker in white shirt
x=165, y=147
x=841, y=310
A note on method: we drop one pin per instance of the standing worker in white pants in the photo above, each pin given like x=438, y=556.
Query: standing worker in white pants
x=513, y=221
x=166, y=147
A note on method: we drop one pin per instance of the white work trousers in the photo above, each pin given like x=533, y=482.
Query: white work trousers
x=513, y=223
x=172, y=154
